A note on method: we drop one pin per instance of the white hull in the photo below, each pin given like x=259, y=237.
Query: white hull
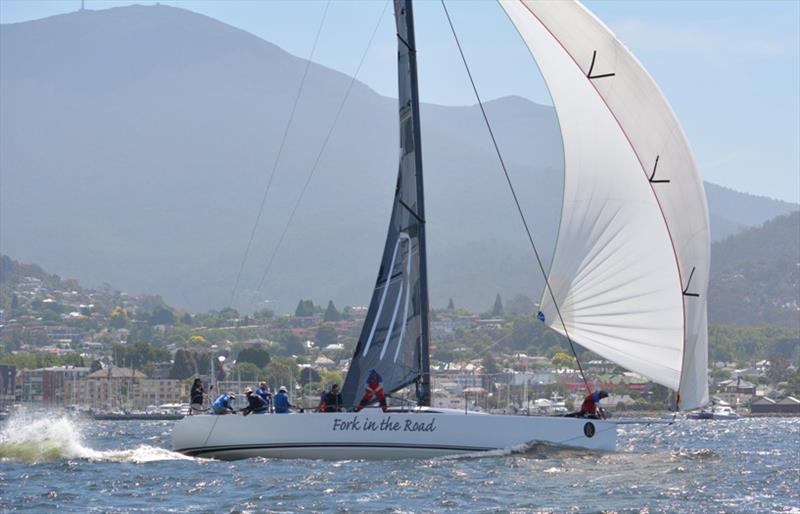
x=371, y=434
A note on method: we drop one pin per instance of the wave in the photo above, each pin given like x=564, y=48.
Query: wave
x=532, y=450
x=42, y=438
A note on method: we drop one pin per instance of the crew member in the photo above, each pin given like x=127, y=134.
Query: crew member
x=263, y=392
x=197, y=396
x=223, y=404
x=333, y=399
x=255, y=403
x=374, y=388
x=281, y=399
x=589, y=407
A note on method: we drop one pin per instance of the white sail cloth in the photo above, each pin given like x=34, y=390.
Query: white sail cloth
x=630, y=271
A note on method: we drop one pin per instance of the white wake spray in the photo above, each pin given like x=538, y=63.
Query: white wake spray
x=40, y=437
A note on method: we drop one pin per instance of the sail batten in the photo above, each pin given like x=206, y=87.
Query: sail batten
x=625, y=153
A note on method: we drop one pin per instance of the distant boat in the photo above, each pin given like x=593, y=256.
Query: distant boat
x=628, y=279
x=718, y=412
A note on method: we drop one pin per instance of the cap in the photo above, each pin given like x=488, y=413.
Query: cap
x=248, y=390
x=232, y=394
x=282, y=388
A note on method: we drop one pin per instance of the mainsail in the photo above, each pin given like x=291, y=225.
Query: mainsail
x=394, y=338
x=630, y=272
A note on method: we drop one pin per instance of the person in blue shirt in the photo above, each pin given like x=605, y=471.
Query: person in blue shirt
x=263, y=392
x=255, y=403
x=223, y=404
x=282, y=404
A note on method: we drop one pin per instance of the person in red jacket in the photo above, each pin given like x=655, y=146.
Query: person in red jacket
x=589, y=407
x=373, y=389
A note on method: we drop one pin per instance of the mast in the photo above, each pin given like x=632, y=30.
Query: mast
x=394, y=339
x=407, y=71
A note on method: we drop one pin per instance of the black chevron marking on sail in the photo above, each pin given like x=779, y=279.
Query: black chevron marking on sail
x=688, y=283
x=652, y=178
x=591, y=67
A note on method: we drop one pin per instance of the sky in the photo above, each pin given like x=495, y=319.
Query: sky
x=730, y=69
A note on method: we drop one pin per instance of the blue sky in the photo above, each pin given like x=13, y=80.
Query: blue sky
x=730, y=69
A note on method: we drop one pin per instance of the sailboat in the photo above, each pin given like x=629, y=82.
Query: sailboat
x=628, y=278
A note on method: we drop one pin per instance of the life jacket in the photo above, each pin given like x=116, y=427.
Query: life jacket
x=281, y=403
x=264, y=395
x=221, y=403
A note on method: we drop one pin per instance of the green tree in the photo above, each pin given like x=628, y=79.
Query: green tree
x=331, y=314
x=247, y=371
x=325, y=335
x=304, y=308
x=183, y=365
x=490, y=366
x=497, y=309
x=263, y=315
x=255, y=355
x=293, y=345
x=309, y=375
x=162, y=316
x=281, y=371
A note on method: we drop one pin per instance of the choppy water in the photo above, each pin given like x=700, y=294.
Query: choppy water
x=751, y=465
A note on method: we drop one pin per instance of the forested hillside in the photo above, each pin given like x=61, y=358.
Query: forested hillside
x=755, y=276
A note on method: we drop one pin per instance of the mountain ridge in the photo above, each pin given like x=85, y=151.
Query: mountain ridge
x=151, y=146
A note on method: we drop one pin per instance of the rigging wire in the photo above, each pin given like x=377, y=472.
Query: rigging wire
x=516, y=199
x=322, y=149
x=278, y=155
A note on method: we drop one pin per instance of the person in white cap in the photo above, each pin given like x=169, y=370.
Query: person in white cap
x=223, y=404
x=281, y=400
x=255, y=403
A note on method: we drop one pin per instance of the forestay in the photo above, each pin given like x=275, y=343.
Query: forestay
x=630, y=270
x=394, y=338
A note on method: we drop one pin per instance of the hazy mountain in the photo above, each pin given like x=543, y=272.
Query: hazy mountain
x=136, y=143
x=755, y=276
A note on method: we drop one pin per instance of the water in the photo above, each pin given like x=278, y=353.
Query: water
x=750, y=465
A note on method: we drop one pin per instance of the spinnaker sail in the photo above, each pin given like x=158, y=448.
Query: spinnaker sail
x=629, y=276
x=394, y=338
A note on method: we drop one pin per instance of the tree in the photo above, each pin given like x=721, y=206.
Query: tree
x=325, y=335
x=520, y=305
x=183, y=366
x=331, y=314
x=255, y=355
x=308, y=376
x=293, y=345
x=281, y=371
x=197, y=340
x=263, y=315
x=162, y=316
x=563, y=360
x=497, y=309
x=304, y=308
x=450, y=305
x=247, y=371
x=119, y=318
x=186, y=319
x=490, y=366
